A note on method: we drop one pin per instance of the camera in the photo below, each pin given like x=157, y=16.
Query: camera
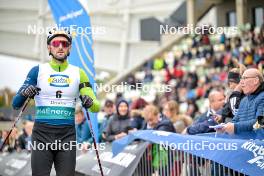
x=261, y=121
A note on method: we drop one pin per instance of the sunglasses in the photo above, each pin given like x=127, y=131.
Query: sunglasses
x=56, y=43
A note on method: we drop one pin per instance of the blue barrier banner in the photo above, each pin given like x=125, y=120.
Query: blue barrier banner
x=243, y=153
x=71, y=15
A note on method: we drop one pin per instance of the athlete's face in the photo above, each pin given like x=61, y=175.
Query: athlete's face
x=59, y=47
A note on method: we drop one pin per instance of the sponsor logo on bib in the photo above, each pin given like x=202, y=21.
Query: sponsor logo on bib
x=59, y=80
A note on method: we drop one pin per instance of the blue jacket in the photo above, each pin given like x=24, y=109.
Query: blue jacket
x=163, y=125
x=201, y=125
x=31, y=79
x=137, y=122
x=250, y=108
x=83, y=132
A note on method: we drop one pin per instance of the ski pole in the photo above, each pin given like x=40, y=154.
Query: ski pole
x=14, y=124
x=95, y=145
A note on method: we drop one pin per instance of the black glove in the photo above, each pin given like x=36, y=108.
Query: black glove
x=87, y=101
x=30, y=91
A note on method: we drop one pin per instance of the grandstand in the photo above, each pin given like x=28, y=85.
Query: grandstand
x=145, y=66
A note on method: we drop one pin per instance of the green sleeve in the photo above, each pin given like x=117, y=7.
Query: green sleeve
x=89, y=92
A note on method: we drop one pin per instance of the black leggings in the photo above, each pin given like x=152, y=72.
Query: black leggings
x=44, y=154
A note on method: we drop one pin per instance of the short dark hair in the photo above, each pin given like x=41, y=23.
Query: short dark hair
x=109, y=103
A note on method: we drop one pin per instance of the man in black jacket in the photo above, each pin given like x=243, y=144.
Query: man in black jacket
x=231, y=107
x=154, y=121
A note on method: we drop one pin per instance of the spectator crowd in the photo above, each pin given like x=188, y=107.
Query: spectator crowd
x=213, y=79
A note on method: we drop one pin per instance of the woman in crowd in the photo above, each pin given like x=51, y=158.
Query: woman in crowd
x=180, y=121
x=119, y=125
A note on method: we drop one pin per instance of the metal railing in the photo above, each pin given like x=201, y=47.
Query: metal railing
x=159, y=161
